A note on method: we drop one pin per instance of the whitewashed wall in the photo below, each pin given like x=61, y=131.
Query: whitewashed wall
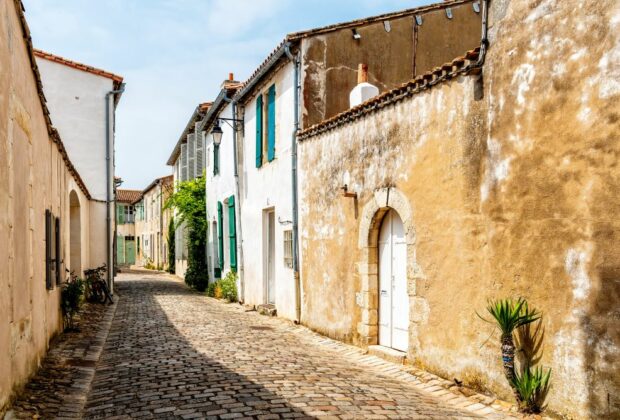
x=268, y=187
x=219, y=188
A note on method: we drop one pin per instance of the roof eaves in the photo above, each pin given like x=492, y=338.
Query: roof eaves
x=79, y=66
x=262, y=70
x=52, y=132
x=460, y=65
x=295, y=36
x=192, y=120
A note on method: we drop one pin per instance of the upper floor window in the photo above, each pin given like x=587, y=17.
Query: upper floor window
x=266, y=126
x=129, y=214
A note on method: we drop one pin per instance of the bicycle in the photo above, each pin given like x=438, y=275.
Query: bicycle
x=97, y=289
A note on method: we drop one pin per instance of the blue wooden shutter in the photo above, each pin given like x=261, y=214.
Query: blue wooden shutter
x=271, y=123
x=232, y=233
x=220, y=234
x=259, y=131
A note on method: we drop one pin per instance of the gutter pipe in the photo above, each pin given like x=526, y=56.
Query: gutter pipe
x=240, y=270
x=296, y=63
x=109, y=183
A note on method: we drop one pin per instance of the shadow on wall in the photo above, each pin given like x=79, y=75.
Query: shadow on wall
x=148, y=365
x=600, y=324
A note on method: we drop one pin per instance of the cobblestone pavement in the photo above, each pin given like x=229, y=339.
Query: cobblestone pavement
x=59, y=388
x=173, y=353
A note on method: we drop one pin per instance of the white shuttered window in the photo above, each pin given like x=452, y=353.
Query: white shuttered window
x=200, y=141
x=184, y=162
x=191, y=156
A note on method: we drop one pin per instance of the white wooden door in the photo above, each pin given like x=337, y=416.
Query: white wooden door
x=271, y=249
x=393, y=298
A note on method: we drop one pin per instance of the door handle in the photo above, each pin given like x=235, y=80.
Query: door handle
x=383, y=292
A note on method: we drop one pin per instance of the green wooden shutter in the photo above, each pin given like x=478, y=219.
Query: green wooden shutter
x=120, y=214
x=120, y=249
x=259, y=131
x=232, y=233
x=271, y=123
x=220, y=234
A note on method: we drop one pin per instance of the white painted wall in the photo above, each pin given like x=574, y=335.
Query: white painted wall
x=219, y=188
x=268, y=187
x=76, y=100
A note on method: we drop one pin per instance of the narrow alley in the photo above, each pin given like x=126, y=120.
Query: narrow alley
x=174, y=353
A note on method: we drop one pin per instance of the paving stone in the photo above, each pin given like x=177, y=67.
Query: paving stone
x=174, y=353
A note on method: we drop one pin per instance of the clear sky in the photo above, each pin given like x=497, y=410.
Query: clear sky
x=174, y=54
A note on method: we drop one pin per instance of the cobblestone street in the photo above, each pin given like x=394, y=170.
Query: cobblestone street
x=174, y=353
x=171, y=352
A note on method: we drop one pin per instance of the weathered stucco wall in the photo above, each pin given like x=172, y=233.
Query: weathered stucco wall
x=513, y=194
x=395, y=50
x=33, y=178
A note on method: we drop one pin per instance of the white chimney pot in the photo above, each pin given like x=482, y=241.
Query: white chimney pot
x=361, y=93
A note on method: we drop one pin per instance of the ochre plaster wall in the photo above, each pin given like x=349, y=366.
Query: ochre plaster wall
x=33, y=178
x=394, y=54
x=514, y=193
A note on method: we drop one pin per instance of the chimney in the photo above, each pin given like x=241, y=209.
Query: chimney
x=230, y=81
x=364, y=90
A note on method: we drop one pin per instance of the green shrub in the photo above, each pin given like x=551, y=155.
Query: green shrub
x=532, y=386
x=71, y=299
x=171, y=246
x=211, y=289
x=229, y=286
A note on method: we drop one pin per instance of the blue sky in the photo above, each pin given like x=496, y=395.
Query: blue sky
x=174, y=54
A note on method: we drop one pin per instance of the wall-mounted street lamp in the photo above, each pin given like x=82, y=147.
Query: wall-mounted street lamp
x=217, y=132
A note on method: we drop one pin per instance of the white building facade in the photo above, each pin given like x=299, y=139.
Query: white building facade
x=268, y=113
x=82, y=102
x=221, y=160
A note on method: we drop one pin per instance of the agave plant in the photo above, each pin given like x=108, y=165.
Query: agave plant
x=532, y=386
x=509, y=315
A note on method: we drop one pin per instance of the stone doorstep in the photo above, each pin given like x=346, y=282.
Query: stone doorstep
x=387, y=353
x=267, y=309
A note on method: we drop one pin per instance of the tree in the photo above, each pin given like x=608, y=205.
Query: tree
x=189, y=200
x=171, y=246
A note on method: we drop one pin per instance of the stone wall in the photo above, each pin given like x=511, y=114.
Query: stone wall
x=507, y=185
x=34, y=176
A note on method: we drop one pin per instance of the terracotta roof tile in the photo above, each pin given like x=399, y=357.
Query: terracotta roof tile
x=79, y=66
x=422, y=82
x=128, y=196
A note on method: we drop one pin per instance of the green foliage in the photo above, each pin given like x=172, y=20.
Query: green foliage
x=225, y=288
x=189, y=200
x=229, y=286
x=510, y=315
x=532, y=386
x=149, y=264
x=71, y=299
x=211, y=289
x=171, y=247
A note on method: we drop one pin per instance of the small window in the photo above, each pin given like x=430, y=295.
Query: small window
x=288, y=248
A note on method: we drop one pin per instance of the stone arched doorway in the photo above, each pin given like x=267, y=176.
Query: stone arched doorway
x=75, y=234
x=384, y=201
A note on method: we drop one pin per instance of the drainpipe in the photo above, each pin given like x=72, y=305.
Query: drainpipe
x=109, y=183
x=237, y=200
x=296, y=63
x=484, y=40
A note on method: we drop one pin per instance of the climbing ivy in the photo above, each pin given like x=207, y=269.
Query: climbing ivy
x=189, y=200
